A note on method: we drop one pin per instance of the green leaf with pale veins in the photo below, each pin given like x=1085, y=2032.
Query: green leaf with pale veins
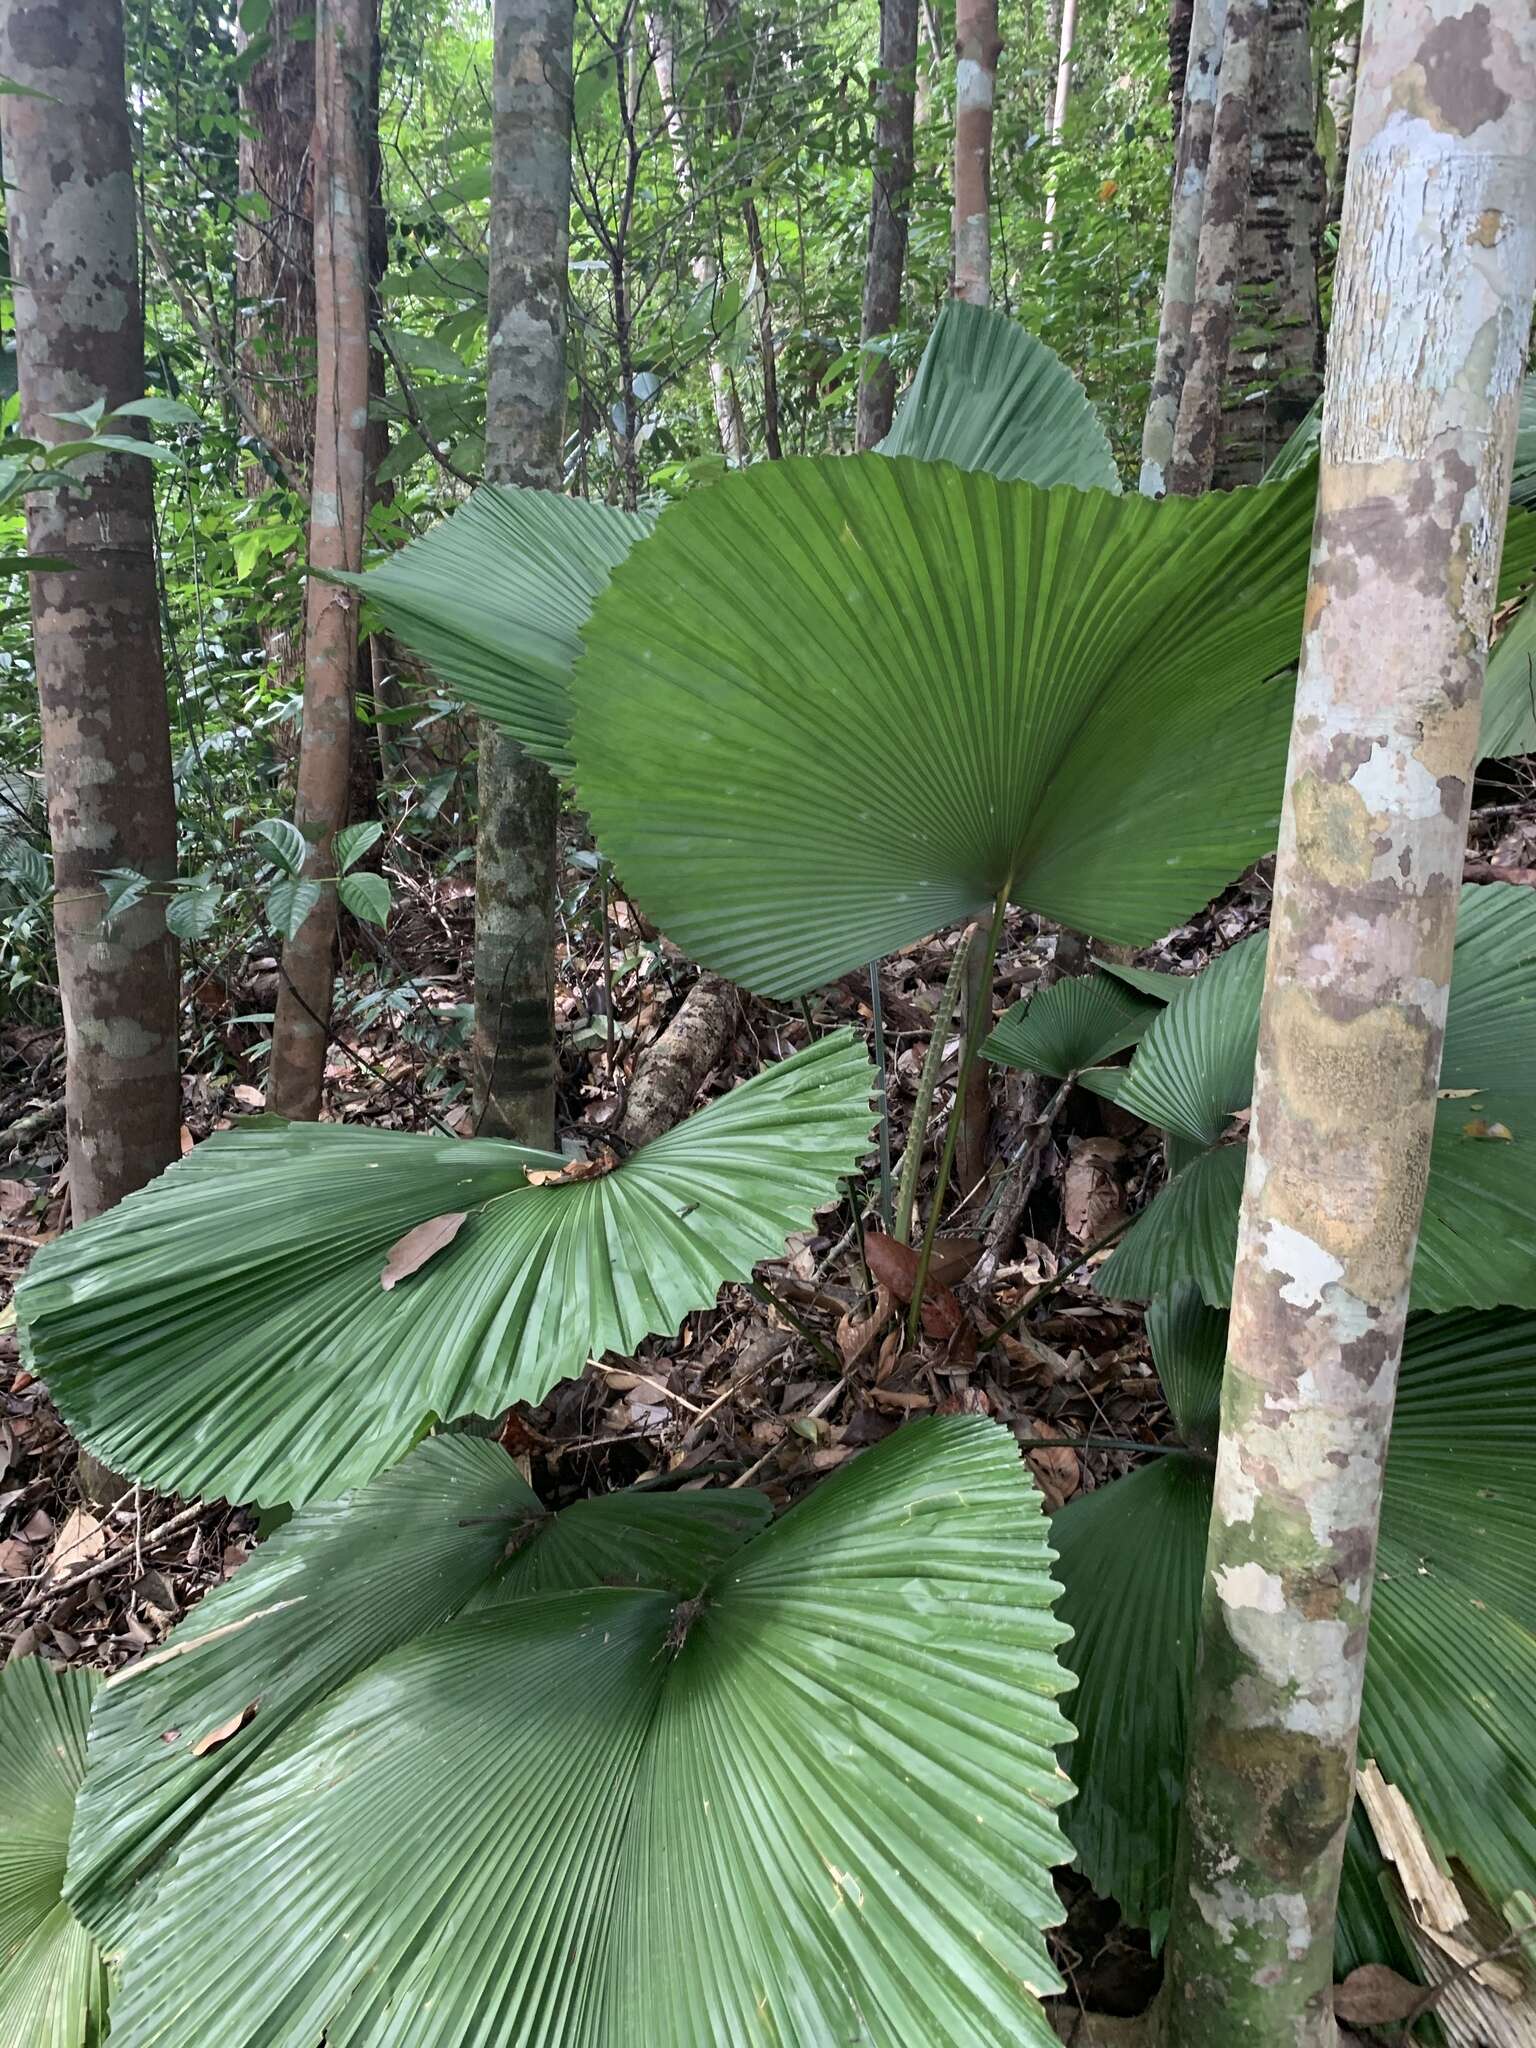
x=1452, y=1665
x=53, y=1985
x=831, y=706
x=988, y=395
x=226, y=1331
x=812, y=1802
x=1477, y=1240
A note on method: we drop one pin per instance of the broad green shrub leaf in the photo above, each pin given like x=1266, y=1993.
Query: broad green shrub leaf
x=284, y=842
x=226, y=1331
x=494, y=597
x=366, y=895
x=193, y=913
x=813, y=1804
x=353, y=841
x=334, y=1591
x=831, y=706
x=988, y=395
x=1477, y=1241
x=1077, y=1023
x=53, y=1986
x=1452, y=1663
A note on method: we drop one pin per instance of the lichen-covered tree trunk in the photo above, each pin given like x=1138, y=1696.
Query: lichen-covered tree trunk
x=525, y=428
x=723, y=21
x=889, y=210
x=1197, y=430
x=729, y=423
x=1275, y=366
x=96, y=627
x=1432, y=316
x=343, y=66
x=1068, y=36
x=1187, y=208
x=1339, y=96
x=977, y=49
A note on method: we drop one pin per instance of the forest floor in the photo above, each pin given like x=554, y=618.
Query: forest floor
x=773, y=1388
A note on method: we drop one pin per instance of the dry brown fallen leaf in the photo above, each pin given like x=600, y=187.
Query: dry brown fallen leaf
x=573, y=1170
x=1374, y=1996
x=410, y=1253
x=81, y=1540
x=1091, y=1200
x=220, y=1735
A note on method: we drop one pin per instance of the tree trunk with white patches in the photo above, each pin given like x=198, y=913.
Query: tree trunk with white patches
x=729, y=424
x=515, y=900
x=977, y=49
x=1059, y=107
x=343, y=67
x=96, y=627
x=1275, y=367
x=1197, y=431
x=1191, y=161
x=1339, y=93
x=889, y=211
x=1431, y=321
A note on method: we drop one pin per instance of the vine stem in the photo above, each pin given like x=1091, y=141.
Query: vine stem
x=877, y=1023
x=976, y=1029
x=927, y=1081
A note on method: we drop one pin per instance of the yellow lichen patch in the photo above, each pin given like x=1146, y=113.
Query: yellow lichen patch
x=1333, y=830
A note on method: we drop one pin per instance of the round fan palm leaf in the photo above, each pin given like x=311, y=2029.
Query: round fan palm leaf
x=227, y=1331
x=494, y=597
x=989, y=395
x=1074, y=1024
x=53, y=1986
x=818, y=1795
x=1477, y=1242
x=831, y=706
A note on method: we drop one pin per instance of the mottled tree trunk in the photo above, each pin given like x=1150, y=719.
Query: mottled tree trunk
x=1197, y=431
x=1432, y=316
x=343, y=64
x=1191, y=161
x=721, y=15
x=729, y=424
x=977, y=49
x=1068, y=34
x=889, y=211
x=1275, y=367
x=524, y=431
x=96, y=628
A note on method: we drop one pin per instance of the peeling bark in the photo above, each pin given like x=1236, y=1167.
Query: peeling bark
x=96, y=629
x=1191, y=160
x=1432, y=316
x=1275, y=368
x=889, y=211
x=343, y=67
x=525, y=430
x=1197, y=430
x=977, y=49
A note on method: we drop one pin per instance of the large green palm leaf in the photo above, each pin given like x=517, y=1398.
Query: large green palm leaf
x=829, y=706
x=1194, y=1068
x=808, y=1803
x=53, y=1987
x=1452, y=1663
x=226, y=1330
x=989, y=395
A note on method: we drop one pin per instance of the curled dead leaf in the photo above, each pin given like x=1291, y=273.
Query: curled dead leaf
x=216, y=1737
x=1374, y=1996
x=594, y=1168
x=1479, y=1128
x=410, y=1253
x=892, y=1264
x=855, y=1338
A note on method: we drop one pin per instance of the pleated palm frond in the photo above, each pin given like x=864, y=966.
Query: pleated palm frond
x=1452, y=1662
x=831, y=706
x=1509, y=693
x=53, y=1986
x=227, y=1329
x=989, y=395
x=336, y=1589
x=1194, y=1069
x=807, y=1801
x=493, y=599
x=1076, y=1024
